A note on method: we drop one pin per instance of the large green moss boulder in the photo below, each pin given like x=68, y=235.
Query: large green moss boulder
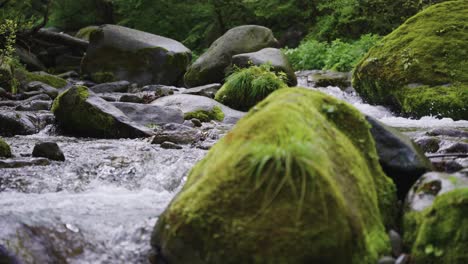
x=5, y=150
x=119, y=53
x=80, y=112
x=296, y=181
x=420, y=68
x=211, y=66
x=246, y=87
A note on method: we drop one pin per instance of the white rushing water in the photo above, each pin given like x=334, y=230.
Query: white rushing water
x=100, y=205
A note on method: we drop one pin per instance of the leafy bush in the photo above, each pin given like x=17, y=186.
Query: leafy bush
x=337, y=55
x=73, y=15
x=246, y=87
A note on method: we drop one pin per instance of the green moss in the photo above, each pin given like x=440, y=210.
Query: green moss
x=429, y=49
x=103, y=77
x=26, y=77
x=5, y=150
x=296, y=181
x=439, y=234
x=76, y=116
x=86, y=32
x=206, y=116
x=246, y=87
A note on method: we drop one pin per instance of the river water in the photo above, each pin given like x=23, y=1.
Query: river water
x=100, y=205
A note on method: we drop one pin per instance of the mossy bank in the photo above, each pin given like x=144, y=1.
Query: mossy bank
x=420, y=68
x=296, y=181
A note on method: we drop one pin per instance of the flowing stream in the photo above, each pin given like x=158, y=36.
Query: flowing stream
x=100, y=205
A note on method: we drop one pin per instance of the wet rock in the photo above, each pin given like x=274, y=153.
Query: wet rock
x=131, y=98
x=16, y=123
x=111, y=87
x=450, y=132
x=148, y=115
x=208, y=90
x=33, y=97
x=319, y=78
x=396, y=242
x=80, y=112
x=7, y=257
x=386, y=260
x=48, y=150
x=192, y=103
x=210, y=66
x=403, y=259
x=178, y=134
x=34, y=106
x=4, y=93
x=119, y=53
x=68, y=74
x=433, y=184
x=275, y=57
x=170, y=145
x=161, y=90
x=23, y=162
x=196, y=122
x=43, y=88
x=400, y=158
x=428, y=144
x=5, y=150
x=457, y=147
x=67, y=62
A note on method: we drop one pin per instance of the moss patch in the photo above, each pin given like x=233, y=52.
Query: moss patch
x=76, y=116
x=246, y=87
x=439, y=234
x=103, y=77
x=428, y=50
x=296, y=181
x=25, y=77
x=206, y=116
x=5, y=150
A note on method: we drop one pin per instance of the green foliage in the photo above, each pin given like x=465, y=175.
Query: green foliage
x=73, y=15
x=5, y=150
x=206, y=116
x=337, y=55
x=246, y=87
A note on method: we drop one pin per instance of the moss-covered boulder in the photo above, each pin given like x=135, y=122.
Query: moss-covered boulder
x=85, y=33
x=274, y=57
x=420, y=68
x=246, y=87
x=80, y=112
x=439, y=233
x=296, y=181
x=5, y=150
x=119, y=53
x=211, y=66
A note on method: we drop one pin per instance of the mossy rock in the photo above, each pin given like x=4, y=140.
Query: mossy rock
x=216, y=113
x=246, y=87
x=80, y=112
x=439, y=234
x=24, y=77
x=118, y=53
x=5, y=150
x=211, y=66
x=296, y=181
x=86, y=32
x=420, y=68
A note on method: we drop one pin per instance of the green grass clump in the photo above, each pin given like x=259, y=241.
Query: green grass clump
x=206, y=116
x=337, y=55
x=295, y=181
x=428, y=50
x=5, y=150
x=439, y=234
x=246, y=87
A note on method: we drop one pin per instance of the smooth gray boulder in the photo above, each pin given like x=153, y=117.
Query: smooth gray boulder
x=188, y=103
x=211, y=66
x=16, y=123
x=401, y=159
x=150, y=115
x=275, y=57
x=208, y=90
x=80, y=112
x=119, y=53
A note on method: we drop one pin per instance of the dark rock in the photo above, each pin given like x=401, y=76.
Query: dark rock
x=178, y=134
x=170, y=145
x=428, y=144
x=7, y=257
x=48, y=150
x=29, y=59
x=160, y=90
x=131, y=98
x=16, y=123
x=118, y=53
x=112, y=87
x=396, y=242
x=149, y=115
x=68, y=74
x=450, y=132
x=191, y=103
x=34, y=106
x=400, y=158
x=80, y=112
x=5, y=150
x=457, y=147
x=67, y=62
x=208, y=90
x=210, y=67
x=196, y=122
x=43, y=88
x=36, y=97
x=386, y=260
x=272, y=56
x=403, y=259
x=319, y=78
x=23, y=162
